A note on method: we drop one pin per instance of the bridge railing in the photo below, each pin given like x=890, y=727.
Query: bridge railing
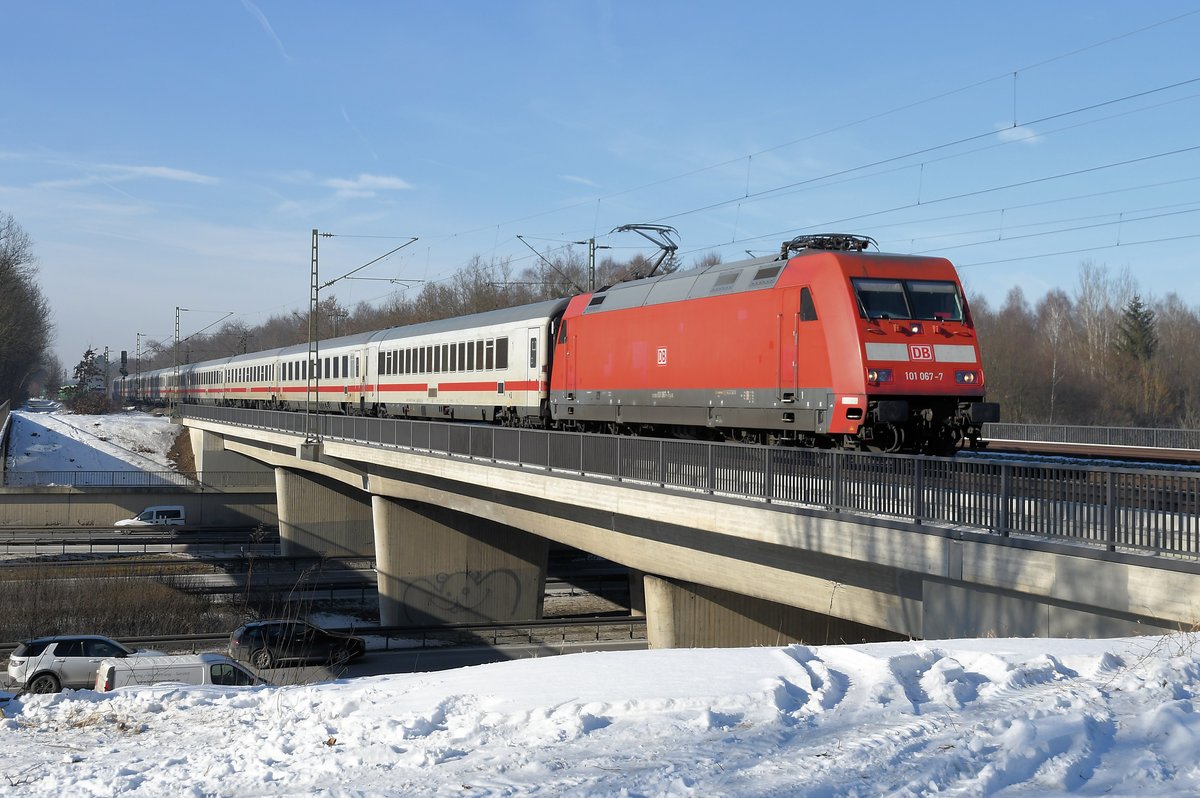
x=1142, y=437
x=217, y=480
x=1118, y=509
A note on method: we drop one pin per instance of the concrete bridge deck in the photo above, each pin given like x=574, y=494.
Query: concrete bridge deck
x=720, y=568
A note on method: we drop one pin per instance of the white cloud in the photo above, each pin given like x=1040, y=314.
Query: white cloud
x=1022, y=133
x=266, y=26
x=583, y=181
x=119, y=173
x=366, y=185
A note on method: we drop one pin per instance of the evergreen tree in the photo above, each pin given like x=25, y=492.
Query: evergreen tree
x=1136, y=334
x=87, y=394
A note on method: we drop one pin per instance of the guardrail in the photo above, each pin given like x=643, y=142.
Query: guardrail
x=141, y=479
x=1132, y=510
x=1138, y=437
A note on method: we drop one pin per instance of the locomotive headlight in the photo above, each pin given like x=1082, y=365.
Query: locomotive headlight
x=879, y=375
x=966, y=377
x=914, y=328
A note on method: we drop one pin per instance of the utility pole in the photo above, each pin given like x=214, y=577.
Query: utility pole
x=174, y=388
x=312, y=369
x=137, y=357
x=336, y=316
x=311, y=435
x=592, y=247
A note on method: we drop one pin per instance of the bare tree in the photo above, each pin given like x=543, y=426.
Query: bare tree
x=25, y=326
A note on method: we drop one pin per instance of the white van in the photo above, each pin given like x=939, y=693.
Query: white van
x=163, y=515
x=207, y=668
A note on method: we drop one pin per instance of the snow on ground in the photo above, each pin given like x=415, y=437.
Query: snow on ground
x=964, y=717
x=62, y=441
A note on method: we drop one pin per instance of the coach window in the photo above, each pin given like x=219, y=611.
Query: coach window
x=335, y=367
x=470, y=356
x=489, y=354
x=445, y=357
x=437, y=359
x=501, y=353
x=479, y=355
x=326, y=370
x=420, y=360
x=462, y=356
x=453, y=357
x=808, y=311
x=346, y=366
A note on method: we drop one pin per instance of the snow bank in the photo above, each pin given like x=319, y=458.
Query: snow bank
x=987, y=717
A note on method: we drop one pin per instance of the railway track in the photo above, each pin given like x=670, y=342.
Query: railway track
x=1128, y=455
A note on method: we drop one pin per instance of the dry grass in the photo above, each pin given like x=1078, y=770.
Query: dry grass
x=109, y=605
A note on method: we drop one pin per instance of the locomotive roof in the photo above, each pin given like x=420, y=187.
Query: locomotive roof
x=719, y=279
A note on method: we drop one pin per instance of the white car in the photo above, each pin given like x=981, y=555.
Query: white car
x=164, y=515
x=48, y=664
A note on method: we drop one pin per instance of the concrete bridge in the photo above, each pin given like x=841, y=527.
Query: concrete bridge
x=730, y=545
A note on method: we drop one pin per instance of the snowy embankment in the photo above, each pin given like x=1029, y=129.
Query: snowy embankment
x=43, y=442
x=986, y=717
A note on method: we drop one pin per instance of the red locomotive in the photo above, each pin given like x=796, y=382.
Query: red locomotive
x=830, y=346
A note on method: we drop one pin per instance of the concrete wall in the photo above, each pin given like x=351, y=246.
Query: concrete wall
x=322, y=517
x=687, y=615
x=439, y=566
x=955, y=611
x=101, y=507
x=210, y=455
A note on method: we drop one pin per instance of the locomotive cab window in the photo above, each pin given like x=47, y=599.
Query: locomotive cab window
x=881, y=299
x=929, y=300
x=935, y=300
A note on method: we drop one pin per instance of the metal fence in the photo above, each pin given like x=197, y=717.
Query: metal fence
x=1118, y=509
x=1144, y=437
x=141, y=479
x=4, y=417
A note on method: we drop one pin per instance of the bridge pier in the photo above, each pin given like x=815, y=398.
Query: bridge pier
x=440, y=566
x=688, y=615
x=210, y=455
x=321, y=517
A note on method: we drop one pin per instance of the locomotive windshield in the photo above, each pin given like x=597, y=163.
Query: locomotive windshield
x=930, y=300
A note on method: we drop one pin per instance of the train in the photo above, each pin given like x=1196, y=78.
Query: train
x=825, y=344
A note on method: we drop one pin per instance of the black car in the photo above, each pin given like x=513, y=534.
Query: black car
x=265, y=644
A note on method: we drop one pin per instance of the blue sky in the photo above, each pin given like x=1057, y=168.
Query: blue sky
x=164, y=154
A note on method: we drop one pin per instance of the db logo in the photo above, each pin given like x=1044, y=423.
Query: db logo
x=662, y=356
x=920, y=351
